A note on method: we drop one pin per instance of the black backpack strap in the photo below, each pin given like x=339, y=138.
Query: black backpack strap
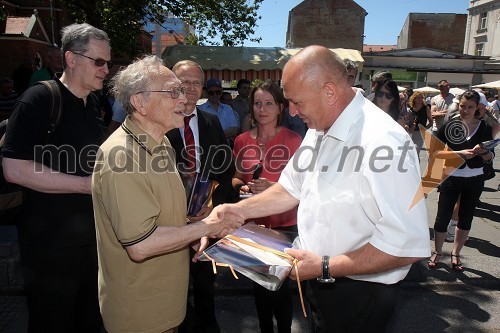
x=56, y=106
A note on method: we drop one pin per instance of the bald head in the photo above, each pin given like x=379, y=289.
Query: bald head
x=316, y=85
x=317, y=65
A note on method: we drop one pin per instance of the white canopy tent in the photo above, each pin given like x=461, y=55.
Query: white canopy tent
x=493, y=85
x=427, y=90
x=457, y=91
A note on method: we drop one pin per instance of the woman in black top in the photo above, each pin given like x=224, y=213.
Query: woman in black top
x=462, y=134
x=419, y=115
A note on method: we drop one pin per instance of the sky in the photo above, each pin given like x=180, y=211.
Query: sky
x=382, y=24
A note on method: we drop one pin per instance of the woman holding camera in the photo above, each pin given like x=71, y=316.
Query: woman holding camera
x=260, y=155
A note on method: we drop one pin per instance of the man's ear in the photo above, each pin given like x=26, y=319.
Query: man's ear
x=330, y=91
x=70, y=58
x=137, y=101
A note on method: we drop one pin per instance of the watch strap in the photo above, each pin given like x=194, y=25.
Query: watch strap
x=325, y=271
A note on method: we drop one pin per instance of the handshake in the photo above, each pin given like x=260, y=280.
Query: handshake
x=223, y=220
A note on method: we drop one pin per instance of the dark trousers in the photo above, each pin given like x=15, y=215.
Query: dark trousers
x=469, y=189
x=350, y=306
x=61, y=289
x=201, y=318
x=277, y=303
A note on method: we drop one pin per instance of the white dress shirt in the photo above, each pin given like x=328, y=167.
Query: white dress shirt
x=357, y=187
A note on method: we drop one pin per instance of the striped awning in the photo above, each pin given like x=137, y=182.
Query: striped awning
x=353, y=55
x=242, y=58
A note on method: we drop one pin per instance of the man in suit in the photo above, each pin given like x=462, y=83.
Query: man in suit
x=213, y=159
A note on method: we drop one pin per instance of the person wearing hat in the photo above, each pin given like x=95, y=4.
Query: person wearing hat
x=227, y=117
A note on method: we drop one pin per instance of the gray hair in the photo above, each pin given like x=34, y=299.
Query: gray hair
x=188, y=63
x=136, y=77
x=76, y=37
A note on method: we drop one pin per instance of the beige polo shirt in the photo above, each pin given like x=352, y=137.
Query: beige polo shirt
x=135, y=189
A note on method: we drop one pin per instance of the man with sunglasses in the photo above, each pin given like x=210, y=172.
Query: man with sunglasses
x=227, y=116
x=56, y=228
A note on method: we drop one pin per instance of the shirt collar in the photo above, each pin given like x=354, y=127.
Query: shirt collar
x=195, y=112
x=342, y=125
x=143, y=139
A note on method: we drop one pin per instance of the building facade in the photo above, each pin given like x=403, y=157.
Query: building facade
x=334, y=24
x=436, y=31
x=171, y=32
x=483, y=24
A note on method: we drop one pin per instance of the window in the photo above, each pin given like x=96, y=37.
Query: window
x=479, y=49
x=482, y=20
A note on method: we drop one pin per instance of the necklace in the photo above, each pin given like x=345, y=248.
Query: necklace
x=262, y=141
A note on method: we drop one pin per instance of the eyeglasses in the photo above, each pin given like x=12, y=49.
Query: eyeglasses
x=214, y=92
x=387, y=95
x=98, y=62
x=443, y=86
x=196, y=84
x=174, y=93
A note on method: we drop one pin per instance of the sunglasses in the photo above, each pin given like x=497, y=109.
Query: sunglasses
x=387, y=95
x=98, y=62
x=214, y=92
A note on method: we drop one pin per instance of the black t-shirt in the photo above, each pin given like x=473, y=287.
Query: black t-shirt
x=56, y=219
x=420, y=116
x=454, y=134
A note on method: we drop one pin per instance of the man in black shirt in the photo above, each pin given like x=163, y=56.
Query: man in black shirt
x=56, y=228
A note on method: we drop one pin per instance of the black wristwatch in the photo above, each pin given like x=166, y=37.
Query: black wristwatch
x=325, y=271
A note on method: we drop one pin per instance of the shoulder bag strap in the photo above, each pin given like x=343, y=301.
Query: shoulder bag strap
x=56, y=106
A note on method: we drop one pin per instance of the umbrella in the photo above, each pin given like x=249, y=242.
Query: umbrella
x=427, y=90
x=457, y=91
x=494, y=84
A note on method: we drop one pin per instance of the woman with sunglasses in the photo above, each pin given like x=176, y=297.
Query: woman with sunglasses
x=463, y=134
x=387, y=98
x=260, y=155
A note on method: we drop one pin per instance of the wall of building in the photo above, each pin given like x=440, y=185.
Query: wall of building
x=438, y=31
x=489, y=35
x=403, y=35
x=329, y=23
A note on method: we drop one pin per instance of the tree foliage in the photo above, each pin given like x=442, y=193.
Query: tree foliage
x=231, y=21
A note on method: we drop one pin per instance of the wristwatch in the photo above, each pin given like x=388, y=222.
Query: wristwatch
x=325, y=271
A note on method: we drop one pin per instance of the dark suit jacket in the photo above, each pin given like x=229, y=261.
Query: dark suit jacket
x=216, y=158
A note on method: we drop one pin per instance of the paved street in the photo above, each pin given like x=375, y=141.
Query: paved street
x=430, y=301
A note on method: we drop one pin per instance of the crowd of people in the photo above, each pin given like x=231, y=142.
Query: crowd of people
x=106, y=235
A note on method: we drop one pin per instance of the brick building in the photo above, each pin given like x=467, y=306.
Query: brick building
x=436, y=31
x=27, y=32
x=33, y=25
x=334, y=24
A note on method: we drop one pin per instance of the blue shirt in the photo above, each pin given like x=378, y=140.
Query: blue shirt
x=224, y=112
